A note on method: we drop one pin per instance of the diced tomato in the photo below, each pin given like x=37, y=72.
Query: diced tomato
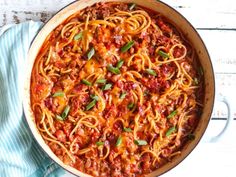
x=60, y=64
x=60, y=53
x=120, y=84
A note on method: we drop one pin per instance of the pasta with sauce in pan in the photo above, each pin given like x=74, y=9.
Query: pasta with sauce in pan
x=116, y=90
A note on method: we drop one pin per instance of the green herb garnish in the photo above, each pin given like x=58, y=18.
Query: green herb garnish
x=91, y=53
x=84, y=81
x=172, y=114
x=130, y=105
x=127, y=129
x=119, y=64
x=163, y=54
x=91, y=104
x=101, y=81
x=112, y=69
x=119, y=141
x=196, y=81
x=65, y=112
x=94, y=97
x=127, y=46
x=122, y=95
x=99, y=143
x=78, y=36
x=140, y=142
x=132, y=6
x=58, y=94
x=151, y=72
x=170, y=131
x=107, y=87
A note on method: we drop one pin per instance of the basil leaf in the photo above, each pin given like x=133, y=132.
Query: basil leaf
x=200, y=71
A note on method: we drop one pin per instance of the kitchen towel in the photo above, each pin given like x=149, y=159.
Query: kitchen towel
x=20, y=155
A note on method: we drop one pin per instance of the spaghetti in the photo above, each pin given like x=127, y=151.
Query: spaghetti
x=116, y=90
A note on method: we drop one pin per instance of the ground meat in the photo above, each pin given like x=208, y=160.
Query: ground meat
x=146, y=163
x=123, y=7
x=67, y=128
x=79, y=102
x=60, y=136
x=118, y=126
x=129, y=85
x=152, y=84
x=49, y=104
x=164, y=27
x=110, y=111
x=162, y=41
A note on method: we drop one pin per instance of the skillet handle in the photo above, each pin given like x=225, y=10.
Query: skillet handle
x=229, y=120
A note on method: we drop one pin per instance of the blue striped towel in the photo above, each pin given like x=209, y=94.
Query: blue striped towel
x=20, y=155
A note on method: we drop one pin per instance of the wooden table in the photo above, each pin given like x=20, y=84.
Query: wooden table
x=215, y=20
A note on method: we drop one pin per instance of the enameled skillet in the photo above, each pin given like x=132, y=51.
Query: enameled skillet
x=179, y=21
